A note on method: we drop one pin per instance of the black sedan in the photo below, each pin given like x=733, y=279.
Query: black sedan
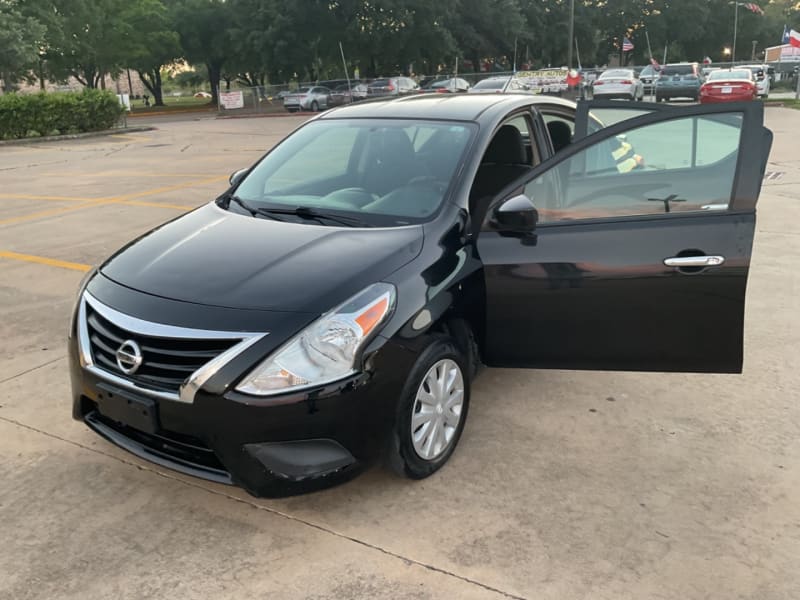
x=335, y=304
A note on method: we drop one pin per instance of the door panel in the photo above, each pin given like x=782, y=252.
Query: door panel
x=590, y=289
x=581, y=299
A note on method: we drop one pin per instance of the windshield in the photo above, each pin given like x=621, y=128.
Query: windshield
x=384, y=172
x=739, y=74
x=490, y=84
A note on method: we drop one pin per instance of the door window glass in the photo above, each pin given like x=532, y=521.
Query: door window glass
x=680, y=165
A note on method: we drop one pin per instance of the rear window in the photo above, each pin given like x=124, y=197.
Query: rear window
x=379, y=83
x=617, y=73
x=490, y=84
x=678, y=70
x=302, y=90
x=720, y=75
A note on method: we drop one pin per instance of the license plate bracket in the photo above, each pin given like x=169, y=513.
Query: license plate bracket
x=139, y=412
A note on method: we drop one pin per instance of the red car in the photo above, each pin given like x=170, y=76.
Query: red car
x=728, y=85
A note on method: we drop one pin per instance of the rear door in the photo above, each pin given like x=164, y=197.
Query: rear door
x=635, y=269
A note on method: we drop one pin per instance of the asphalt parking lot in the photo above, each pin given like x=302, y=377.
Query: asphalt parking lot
x=565, y=485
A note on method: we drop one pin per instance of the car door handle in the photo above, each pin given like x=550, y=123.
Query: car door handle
x=694, y=261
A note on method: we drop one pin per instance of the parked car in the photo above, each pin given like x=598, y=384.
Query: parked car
x=729, y=85
x=392, y=86
x=681, y=80
x=347, y=93
x=648, y=77
x=202, y=95
x=498, y=85
x=760, y=77
x=618, y=83
x=452, y=85
x=335, y=304
x=307, y=98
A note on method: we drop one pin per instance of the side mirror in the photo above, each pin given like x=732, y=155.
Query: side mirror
x=517, y=215
x=236, y=176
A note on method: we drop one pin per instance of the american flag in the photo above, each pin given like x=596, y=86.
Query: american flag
x=627, y=45
x=752, y=7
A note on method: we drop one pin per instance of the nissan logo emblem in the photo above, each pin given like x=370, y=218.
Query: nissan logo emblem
x=129, y=357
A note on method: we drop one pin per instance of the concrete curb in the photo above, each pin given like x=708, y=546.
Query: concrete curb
x=268, y=115
x=76, y=136
x=161, y=113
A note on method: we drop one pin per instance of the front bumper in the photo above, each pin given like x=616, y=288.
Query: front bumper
x=273, y=446
x=286, y=445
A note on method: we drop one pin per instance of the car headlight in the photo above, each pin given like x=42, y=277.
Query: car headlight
x=326, y=350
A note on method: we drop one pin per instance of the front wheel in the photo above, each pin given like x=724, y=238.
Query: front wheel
x=431, y=412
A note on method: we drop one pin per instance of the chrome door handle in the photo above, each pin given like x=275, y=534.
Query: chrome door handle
x=694, y=261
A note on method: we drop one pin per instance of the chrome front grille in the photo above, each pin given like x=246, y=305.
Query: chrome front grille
x=172, y=362
x=166, y=362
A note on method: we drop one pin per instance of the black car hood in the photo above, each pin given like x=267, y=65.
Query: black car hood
x=215, y=257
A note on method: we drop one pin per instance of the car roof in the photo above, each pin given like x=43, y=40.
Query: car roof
x=454, y=107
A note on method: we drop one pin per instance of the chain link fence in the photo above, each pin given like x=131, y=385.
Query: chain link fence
x=270, y=99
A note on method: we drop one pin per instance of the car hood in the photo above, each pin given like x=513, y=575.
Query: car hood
x=215, y=257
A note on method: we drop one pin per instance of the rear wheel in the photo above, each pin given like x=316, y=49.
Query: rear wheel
x=431, y=412
x=314, y=106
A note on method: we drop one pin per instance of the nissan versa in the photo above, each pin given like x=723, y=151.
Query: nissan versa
x=334, y=304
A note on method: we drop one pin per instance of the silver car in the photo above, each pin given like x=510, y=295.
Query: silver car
x=618, y=83
x=307, y=98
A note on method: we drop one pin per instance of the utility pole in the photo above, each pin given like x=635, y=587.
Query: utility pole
x=753, y=56
x=571, y=32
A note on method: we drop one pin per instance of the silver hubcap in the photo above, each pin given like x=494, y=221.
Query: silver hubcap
x=437, y=409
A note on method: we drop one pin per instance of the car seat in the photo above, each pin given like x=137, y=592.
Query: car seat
x=505, y=160
x=560, y=134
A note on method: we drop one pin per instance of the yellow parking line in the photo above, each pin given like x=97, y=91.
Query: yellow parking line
x=50, y=213
x=170, y=188
x=121, y=173
x=121, y=199
x=154, y=204
x=42, y=260
x=50, y=198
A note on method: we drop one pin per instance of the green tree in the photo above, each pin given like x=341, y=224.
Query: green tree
x=20, y=36
x=155, y=44
x=204, y=30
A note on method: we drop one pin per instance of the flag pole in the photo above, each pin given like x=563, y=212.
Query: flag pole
x=577, y=54
x=347, y=76
x=649, y=49
x=735, y=29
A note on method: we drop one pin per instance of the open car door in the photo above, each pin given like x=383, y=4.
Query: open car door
x=629, y=269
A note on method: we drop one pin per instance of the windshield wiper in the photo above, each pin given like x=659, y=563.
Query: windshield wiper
x=305, y=212
x=226, y=199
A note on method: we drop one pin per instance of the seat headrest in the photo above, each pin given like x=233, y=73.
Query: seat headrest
x=506, y=148
x=560, y=134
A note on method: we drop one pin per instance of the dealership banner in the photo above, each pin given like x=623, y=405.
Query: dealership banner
x=231, y=100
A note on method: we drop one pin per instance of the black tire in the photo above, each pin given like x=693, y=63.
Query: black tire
x=314, y=106
x=401, y=456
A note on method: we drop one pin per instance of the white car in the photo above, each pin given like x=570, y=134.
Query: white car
x=618, y=83
x=761, y=78
x=307, y=98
